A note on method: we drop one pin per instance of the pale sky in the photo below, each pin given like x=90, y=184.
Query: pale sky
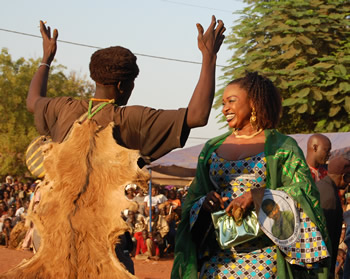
x=150, y=27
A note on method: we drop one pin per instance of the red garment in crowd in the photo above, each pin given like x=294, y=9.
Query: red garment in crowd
x=318, y=174
x=142, y=247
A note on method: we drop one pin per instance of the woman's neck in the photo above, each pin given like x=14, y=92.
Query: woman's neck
x=246, y=132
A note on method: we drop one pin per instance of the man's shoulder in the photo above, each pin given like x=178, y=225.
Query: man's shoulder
x=324, y=183
x=55, y=100
x=60, y=105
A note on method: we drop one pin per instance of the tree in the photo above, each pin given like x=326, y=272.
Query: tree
x=17, y=128
x=304, y=48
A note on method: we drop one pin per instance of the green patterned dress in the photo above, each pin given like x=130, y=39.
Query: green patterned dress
x=285, y=170
x=257, y=258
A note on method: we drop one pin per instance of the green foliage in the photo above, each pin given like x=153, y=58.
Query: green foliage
x=17, y=128
x=304, y=48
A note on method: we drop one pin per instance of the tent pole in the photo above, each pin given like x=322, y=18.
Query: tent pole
x=150, y=200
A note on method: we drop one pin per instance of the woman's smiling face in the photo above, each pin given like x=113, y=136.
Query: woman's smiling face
x=236, y=106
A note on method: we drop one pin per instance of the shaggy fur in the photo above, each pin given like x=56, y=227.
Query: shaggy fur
x=79, y=215
x=17, y=235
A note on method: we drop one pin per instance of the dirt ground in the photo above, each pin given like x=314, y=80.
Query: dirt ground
x=161, y=269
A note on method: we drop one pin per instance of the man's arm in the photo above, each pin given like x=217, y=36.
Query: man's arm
x=38, y=85
x=209, y=44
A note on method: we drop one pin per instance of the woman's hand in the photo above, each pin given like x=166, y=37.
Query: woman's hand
x=214, y=202
x=49, y=44
x=239, y=206
x=211, y=40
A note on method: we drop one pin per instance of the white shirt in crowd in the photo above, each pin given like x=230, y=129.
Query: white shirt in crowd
x=156, y=200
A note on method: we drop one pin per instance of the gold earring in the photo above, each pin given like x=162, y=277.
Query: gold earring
x=253, y=119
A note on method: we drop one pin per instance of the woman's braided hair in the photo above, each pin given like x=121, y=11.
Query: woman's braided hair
x=113, y=64
x=265, y=98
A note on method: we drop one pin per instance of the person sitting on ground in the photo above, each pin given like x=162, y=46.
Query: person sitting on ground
x=137, y=224
x=146, y=248
x=160, y=227
x=158, y=222
x=318, y=151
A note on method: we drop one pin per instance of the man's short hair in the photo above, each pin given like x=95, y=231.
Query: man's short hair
x=111, y=65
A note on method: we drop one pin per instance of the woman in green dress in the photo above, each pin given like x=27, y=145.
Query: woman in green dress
x=235, y=171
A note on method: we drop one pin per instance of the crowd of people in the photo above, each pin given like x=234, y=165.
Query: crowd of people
x=153, y=220
x=151, y=237
x=15, y=197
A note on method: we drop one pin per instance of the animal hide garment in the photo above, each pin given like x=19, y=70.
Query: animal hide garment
x=79, y=214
